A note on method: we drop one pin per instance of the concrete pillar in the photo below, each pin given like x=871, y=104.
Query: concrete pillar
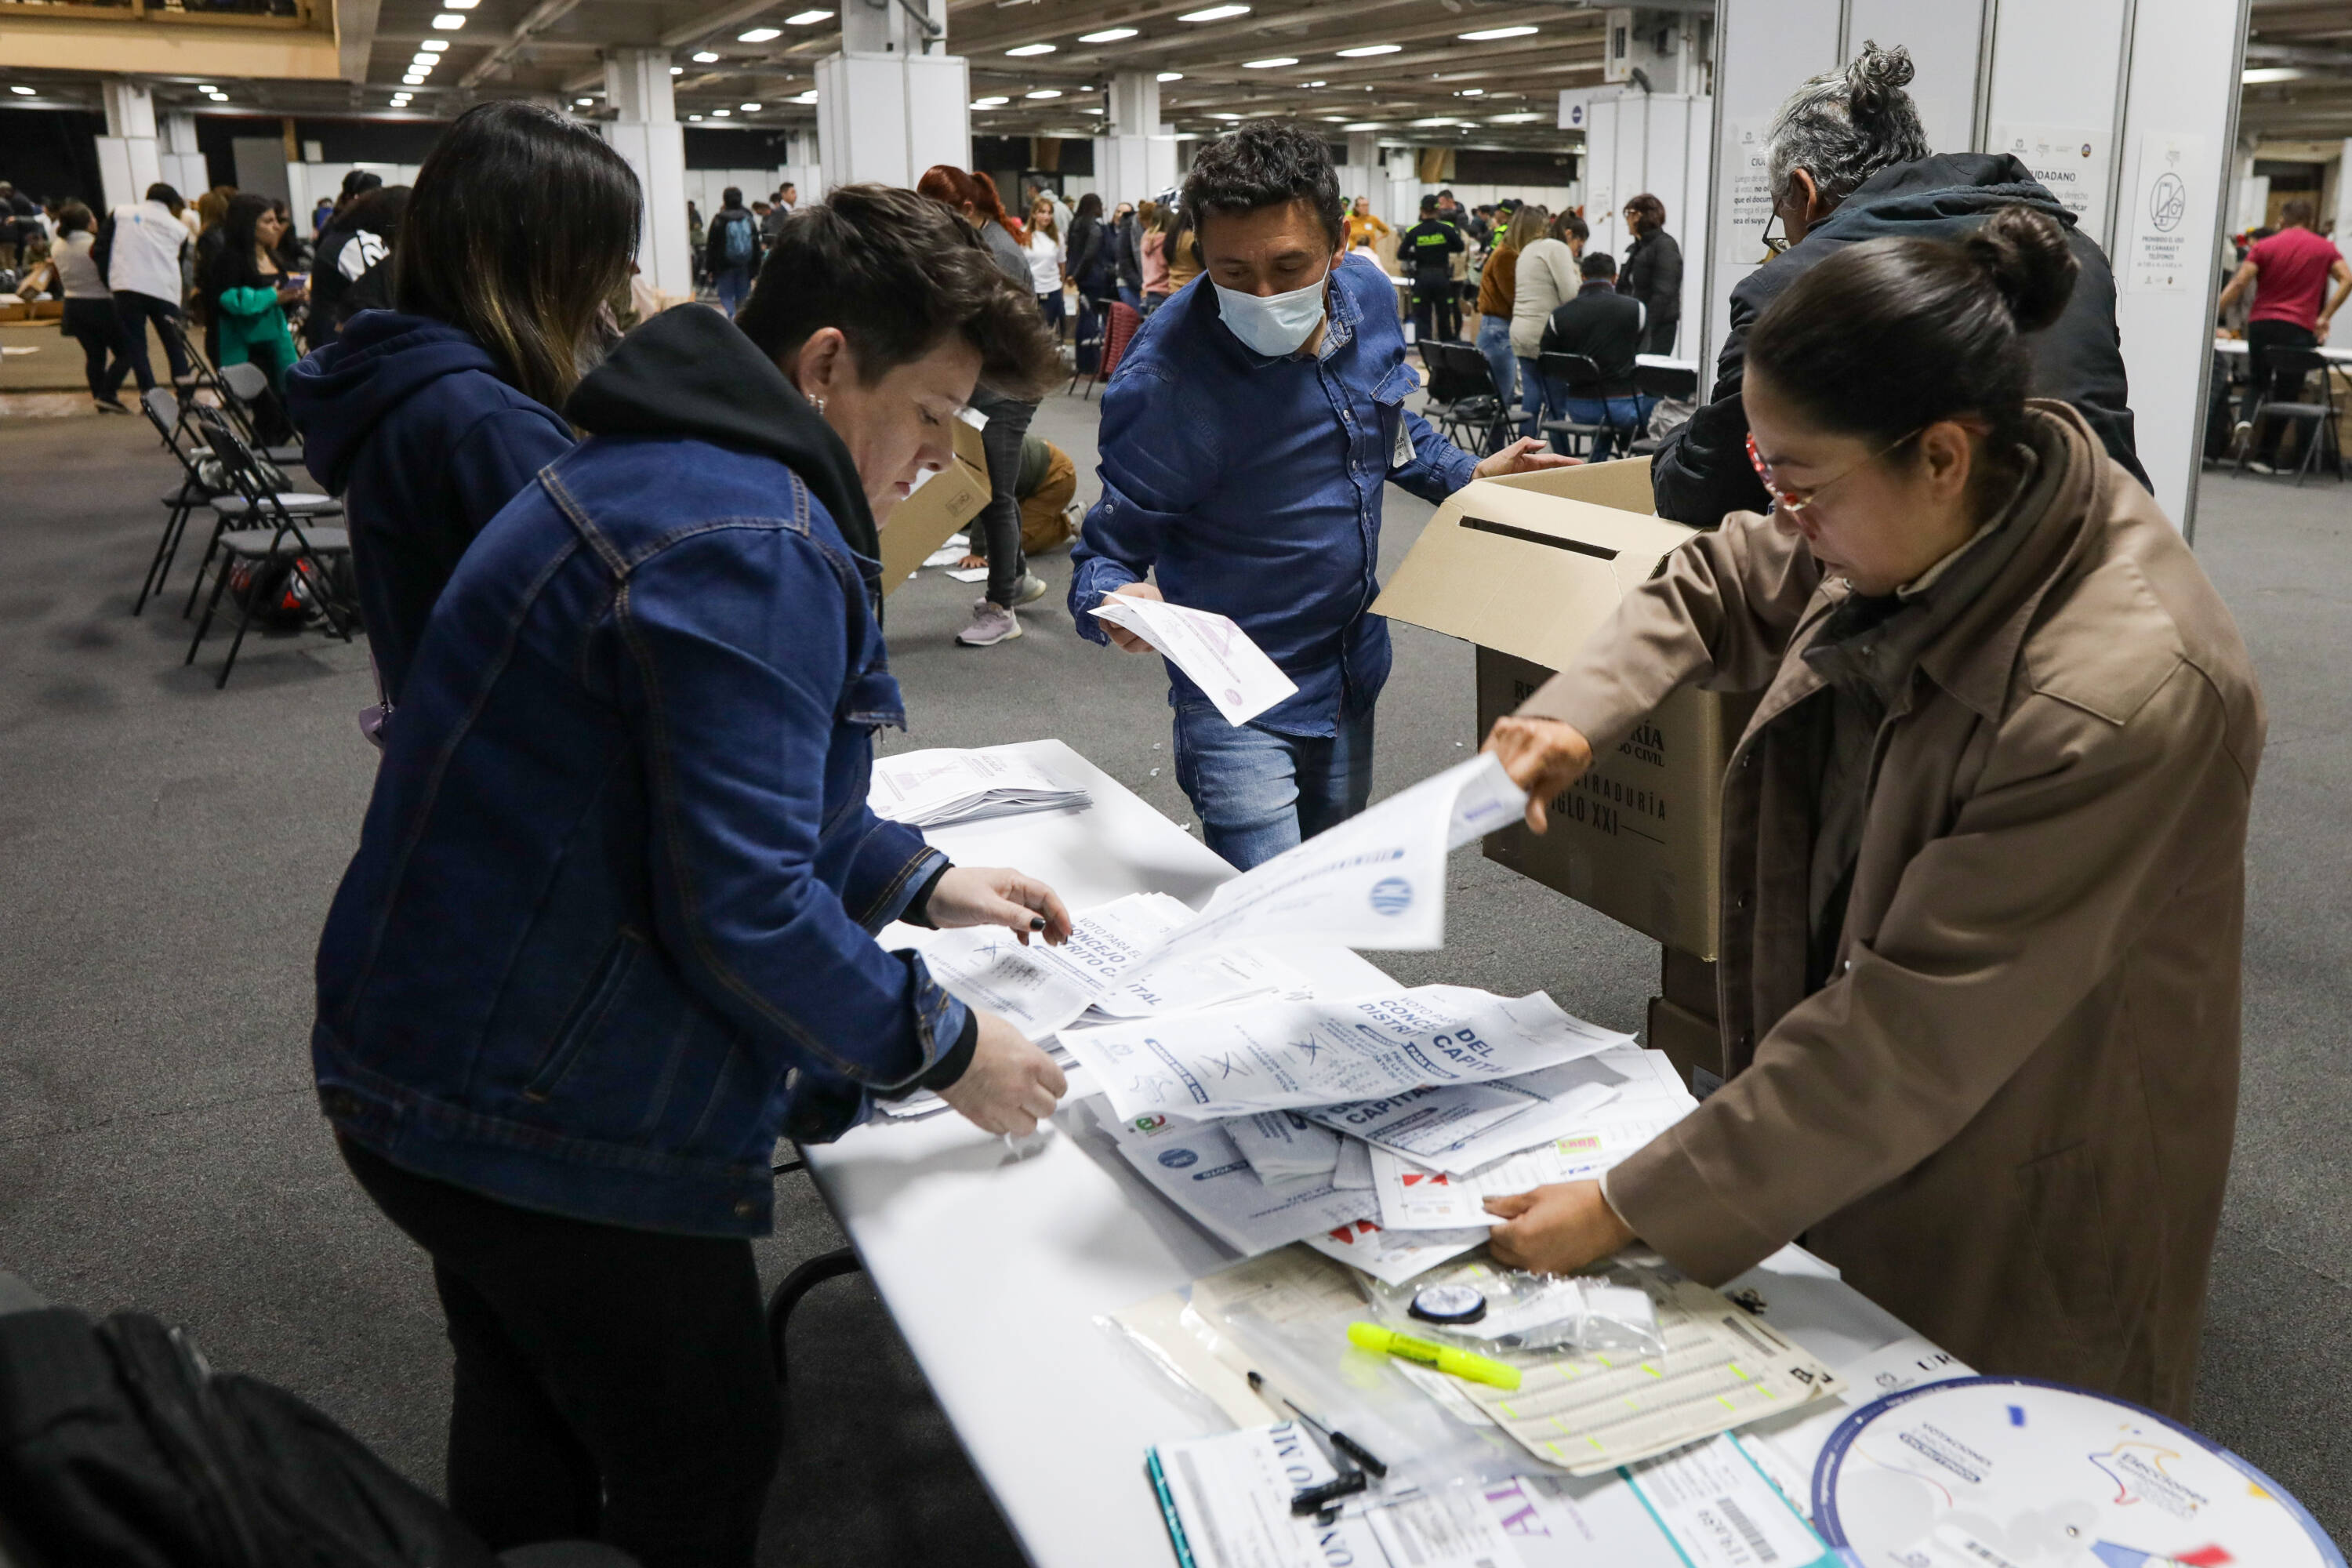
x=183, y=163
x=646, y=131
x=1135, y=157
x=894, y=101
x=128, y=158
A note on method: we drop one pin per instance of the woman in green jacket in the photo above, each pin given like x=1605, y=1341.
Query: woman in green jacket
x=250, y=292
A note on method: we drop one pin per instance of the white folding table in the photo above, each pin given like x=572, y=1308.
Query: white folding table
x=994, y=1265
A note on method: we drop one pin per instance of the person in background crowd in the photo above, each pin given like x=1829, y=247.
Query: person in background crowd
x=426, y=419
x=1654, y=272
x=788, y=199
x=144, y=244
x=695, y=238
x=1545, y=279
x=1047, y=268
x=321, y=215
x=990, y=201
x=355, y=265
x=997, y=539
x=1984, y=841
x=1482, y=223
x=642, y=724
x=2289, y=272
x=734, y=250
x=1154, y=217
x=357, y=183
x=1365, y=228
x=250, y=289
x=1247, y=441
x=11, y=247
x=1847, y=162
x=1605, y=327
x=1063, y=216
x=1426, y=251
x=1090, y=266
x=1183, y=250
x=293, y=251
x=89, y=314
x=1449, y=207
x=1126, y=237
x=212, y=211
x=772, y=221
x=1498, y=282
x=1048, y=488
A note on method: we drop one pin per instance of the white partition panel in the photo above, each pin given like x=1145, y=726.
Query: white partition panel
x=1656, y=143
x=1946, y=41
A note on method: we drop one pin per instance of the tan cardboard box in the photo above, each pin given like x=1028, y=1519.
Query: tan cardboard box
x=1527, y=567
x=943, y=503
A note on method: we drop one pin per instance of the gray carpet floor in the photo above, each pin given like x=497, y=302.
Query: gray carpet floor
x=167, y=852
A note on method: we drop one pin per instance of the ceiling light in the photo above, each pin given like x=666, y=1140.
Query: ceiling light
x=206, y=87
x=1488, y=35
x=24, y=91
x=807, y=18
x=2256, y=76
x=414, y=79
x=720, y=114
x=1044, y=92
x=704, y=58
x=677, y=70
x=1512, y=118
x=1027, y=49
x=1267, y=65
x=1171, y=76
x=459, y=5
x=1089, y=111
x=696, y=118
x=990, y=103
x=449, y=21
x=1365, y=125
x=433, y=46
x=425, y=62
x=1315, y=84
x=1107, y=36
x=751, y=109
x=808, y=97
x=1362, y=50
x=1214, y=14
x=1437, y=120
x=759, y=35
x=1472, y=93
x=1224, y=116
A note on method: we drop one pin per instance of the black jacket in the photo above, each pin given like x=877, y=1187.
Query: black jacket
x=1428, y=249
x=714, y=243
x=1126, y=237
x=1605, y=327
x=1701, y=471
x=1653, y=275
x=1087, y=257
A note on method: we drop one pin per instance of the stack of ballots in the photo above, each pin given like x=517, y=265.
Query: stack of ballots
x=942, y=788
x=1371, y=1126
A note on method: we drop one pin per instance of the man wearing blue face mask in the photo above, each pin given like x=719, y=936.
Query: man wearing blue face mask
x=1246, y=440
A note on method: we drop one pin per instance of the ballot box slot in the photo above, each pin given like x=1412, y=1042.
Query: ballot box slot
x=1484, y=525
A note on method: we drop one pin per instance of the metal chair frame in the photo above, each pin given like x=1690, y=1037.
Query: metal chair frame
x=2301, y=363
x=243, y=470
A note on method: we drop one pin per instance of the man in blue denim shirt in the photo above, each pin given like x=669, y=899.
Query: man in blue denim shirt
x=1245, y=442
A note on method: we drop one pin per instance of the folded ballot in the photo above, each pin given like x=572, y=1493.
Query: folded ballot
x=1209, y=647
x=1290, y=1055
x=941, y=788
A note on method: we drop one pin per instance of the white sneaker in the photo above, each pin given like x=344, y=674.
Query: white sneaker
x=991, y=625
x=1033, y=588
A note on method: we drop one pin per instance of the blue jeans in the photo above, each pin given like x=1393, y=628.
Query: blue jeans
x=1630, y=415
x=734, y=286
x=1495, y=343
x=1259, y=792
x=1540, y=395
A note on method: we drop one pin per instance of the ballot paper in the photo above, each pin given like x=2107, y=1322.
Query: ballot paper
x=1376, y=881
x=1227, y=1501
x=1547, y=1520
x=1723, y=1512
x=1413, y=1197
x=941, y=788
x=1281, y=1146
x=1721, y=1369
x=1393, y=1257
x=1204, y=980
x=1291, y=1054
x=1566, y=1098
x=1213, y=651
x=1422, y=1121
x=1196, y=1167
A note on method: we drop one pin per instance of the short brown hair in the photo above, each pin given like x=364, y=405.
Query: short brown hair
x=897, y=273
x=1653, y=210
x=2296, y=212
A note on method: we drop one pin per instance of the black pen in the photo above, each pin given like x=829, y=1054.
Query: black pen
x=1342, y=1445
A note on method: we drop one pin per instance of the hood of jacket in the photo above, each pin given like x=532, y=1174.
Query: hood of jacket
x=690, y=371
x=339, y=394
x=1908, y=199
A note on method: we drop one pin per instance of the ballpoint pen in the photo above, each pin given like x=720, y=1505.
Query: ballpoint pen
x=1340, y=1442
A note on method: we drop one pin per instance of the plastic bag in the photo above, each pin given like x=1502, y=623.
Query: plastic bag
x=1514, y=1310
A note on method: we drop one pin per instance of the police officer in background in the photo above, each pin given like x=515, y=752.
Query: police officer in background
x=1427, y=251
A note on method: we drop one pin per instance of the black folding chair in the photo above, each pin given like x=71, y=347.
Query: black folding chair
x=279, y=535
x=2292, y=368
x=249, y=389
x=1582, y=377
x=162, y=411
x=1461, y=397
x=1667, y=383
x=229, y=507
x=806, y=1276
x=203, y=376
x=1099, y=343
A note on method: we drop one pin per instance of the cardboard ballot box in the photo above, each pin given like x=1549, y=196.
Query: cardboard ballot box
x=942, y=503
x=1527, y=567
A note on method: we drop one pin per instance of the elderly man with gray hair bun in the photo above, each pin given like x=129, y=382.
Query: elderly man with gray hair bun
x=1849, y=162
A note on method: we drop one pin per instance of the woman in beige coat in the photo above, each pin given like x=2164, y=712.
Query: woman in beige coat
x=1983, y=845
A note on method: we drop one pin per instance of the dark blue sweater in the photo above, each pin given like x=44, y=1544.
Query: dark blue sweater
x=406, y=418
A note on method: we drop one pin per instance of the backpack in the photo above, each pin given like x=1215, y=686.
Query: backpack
x=285, y=594
x=739, y=247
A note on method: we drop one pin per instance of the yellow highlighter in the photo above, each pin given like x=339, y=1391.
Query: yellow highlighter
x=1445, y=1358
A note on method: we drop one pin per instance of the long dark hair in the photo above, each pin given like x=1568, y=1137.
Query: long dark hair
x=520, y=223
x=234, y=267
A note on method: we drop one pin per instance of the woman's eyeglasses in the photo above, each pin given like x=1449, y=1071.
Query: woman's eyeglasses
x=1795, y=502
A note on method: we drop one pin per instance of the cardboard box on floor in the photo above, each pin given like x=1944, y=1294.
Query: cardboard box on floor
x=941, y=504
x=1527, y=567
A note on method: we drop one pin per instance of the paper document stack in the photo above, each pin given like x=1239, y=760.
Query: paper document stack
x=942, y=788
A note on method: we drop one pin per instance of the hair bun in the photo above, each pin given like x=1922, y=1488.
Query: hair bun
x=2025, y=255
x=1875, y=80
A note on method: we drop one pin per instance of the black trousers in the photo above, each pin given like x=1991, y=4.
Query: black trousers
x=2262, y=382
x=1436, y=310
x=106, y=360
x=135, y=310
x=612, y=1384
x=995, y=533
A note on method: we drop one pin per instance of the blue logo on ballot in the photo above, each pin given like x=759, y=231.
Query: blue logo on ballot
x=1177, y=1159
x=1392, y=895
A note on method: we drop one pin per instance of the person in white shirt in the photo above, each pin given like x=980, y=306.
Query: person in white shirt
x=144, y=272
x=90, y=318
x=1044, y=248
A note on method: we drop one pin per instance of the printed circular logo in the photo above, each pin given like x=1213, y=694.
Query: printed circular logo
x=1177, y=1159
x=2168, y=202
x=1392, y=895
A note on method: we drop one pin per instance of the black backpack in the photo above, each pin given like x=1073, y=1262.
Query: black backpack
x=119, y=1446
